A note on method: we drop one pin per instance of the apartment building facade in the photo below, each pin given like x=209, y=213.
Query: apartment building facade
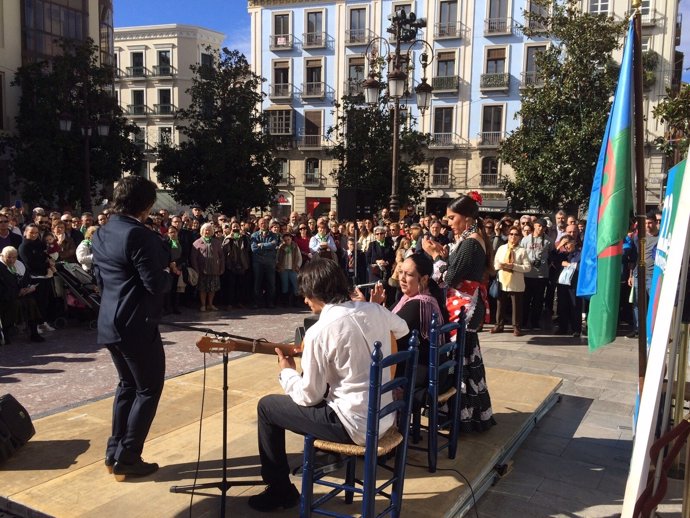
x=31, y=30
x=153, y=76
x=312, y=52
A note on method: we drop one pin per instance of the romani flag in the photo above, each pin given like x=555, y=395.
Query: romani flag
x=609, y=210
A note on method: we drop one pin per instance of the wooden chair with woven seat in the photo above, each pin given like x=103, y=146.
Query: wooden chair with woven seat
x=376, y=450
x=442, y=403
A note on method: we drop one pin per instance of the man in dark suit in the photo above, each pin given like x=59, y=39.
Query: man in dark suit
x=129, y=263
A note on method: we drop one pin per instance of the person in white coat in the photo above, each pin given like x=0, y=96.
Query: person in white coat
x=511, y=262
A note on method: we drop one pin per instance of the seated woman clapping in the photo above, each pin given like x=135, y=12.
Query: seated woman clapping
x=17, y=303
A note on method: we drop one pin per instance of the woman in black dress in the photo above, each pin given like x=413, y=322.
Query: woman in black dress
x=464, y=275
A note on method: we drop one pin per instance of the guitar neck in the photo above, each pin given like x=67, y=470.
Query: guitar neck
x=207, y=344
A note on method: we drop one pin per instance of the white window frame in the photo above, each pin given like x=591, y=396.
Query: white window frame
x=324, y=22
x=504, y=112
x=487, y=48
x=367, y=20
x=456, y=58
x=160, y=132
x=599, y=9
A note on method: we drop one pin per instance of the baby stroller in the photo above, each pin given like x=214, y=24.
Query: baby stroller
x=82, y=299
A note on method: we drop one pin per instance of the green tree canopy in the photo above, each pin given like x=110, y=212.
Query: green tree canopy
x=563, y=114
x=363, y=150
x=224, y=161
x=48, y=163
x=674, y=111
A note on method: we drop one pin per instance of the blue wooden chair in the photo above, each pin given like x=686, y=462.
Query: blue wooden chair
x=376, y=451
x=443, y=406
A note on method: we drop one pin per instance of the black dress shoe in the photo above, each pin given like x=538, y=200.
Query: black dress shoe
x=273, y=498
x=138, y=469
x=109, y=463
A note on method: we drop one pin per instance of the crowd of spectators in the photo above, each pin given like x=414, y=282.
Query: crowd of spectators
x=218, y=261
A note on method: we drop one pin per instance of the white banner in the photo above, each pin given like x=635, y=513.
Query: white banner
x=649, y=404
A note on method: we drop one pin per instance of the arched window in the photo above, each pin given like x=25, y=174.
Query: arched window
x=312, y=171
x=489, y=172
x=441, y=173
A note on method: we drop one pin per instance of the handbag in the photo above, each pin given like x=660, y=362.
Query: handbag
x=566, y=275
x=494, y=289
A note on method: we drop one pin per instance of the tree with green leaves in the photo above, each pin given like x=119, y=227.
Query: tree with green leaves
x=674, y=111
x=52, y=166
x=225, y=161
x=363, y=150
x=563, y=114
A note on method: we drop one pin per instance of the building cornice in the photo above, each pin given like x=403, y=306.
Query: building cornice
x=168, y=31
x=266, y=3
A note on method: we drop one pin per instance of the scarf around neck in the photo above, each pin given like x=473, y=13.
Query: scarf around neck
x=427, y=305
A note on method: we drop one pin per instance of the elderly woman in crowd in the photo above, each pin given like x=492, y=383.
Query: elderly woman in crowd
x=17, y=303
x=207, y=259
x=85, y=251
x=511, y=262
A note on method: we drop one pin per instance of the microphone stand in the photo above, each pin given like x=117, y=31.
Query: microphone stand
x=223, y=485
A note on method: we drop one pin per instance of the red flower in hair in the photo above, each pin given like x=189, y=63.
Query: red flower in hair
x=475, y=196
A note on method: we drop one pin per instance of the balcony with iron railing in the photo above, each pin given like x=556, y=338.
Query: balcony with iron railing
x=313, y=90
x=490, y=138
x=286, y=180
x=313, y=40
x=440, y=180
x=442, y=84
x=449, y=30
x=498, y=26
x=312, y=178
x=531, y=79
x=353, y=87
x=649, y=18
x=446, y=141
x=537, y=25
x=280, y=91
x=488, y=180
x=164, y=71
x=358, y=36
x=282, y=142
x=137, y=72
x=137, y=110
x=280, y=42
x=120, y=74
x=311, y=142
x=143, y=147
x=494, y=82
x=164, y=109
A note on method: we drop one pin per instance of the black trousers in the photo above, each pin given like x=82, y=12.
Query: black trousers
x=533, y=301
x=516, y=301
x=277, y=413
x=569, y=309
x=141, y=368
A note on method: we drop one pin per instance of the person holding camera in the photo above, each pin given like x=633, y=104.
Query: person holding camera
x=538, y=247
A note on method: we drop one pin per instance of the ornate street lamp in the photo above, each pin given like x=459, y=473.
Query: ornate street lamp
x=102, y=128
x=404, y=28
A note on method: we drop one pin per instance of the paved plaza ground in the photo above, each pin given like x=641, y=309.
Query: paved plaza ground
x=573, y=464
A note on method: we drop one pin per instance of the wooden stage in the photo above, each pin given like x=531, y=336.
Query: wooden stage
x=60, y=472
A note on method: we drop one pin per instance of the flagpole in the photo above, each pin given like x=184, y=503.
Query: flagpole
x=640, y=197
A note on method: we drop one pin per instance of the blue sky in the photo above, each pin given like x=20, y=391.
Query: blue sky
x=227, y=16
x=230, y=17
